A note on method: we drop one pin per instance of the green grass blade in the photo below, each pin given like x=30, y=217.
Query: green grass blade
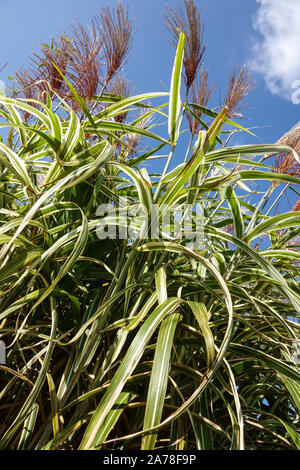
x=28, y=428
x=90, y=439
x=159, y=379
x=175, y=100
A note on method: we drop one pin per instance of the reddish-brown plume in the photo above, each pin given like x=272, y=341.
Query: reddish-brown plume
x=84, y=59
x=239, y=88
x=287, y=163
x=189, y=22
x=131, y=140
x=200, y=94
x=42, y=76
x=291, y=138
x=117, y=37
x=88, y=57
x=120, y=87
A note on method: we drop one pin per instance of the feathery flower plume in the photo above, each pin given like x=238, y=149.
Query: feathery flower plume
x=200, y=94
x=84, y=60
x=120, y=87
x=117, y=37
x=290, y=139
x=42, y=70
x=189, y=22
x=41, y=76
x=132, y=140
x=81, y=55
x=287, y=164
x=238, y=89
x=29, y=89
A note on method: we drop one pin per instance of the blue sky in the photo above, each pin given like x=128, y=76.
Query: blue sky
x=261, y=33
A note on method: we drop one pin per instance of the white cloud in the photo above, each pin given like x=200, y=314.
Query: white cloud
x=276, y=53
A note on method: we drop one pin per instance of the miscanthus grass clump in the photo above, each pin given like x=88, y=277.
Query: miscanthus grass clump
x=119, y=336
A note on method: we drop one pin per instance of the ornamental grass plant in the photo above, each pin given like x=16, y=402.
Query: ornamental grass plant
x=140, y=340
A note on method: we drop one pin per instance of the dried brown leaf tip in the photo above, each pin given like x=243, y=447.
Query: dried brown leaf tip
x=189, y=22
x=200, y=94
x=117, y=35
x=238, y=89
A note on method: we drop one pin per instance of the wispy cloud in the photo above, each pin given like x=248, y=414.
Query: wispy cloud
x=276, y=53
